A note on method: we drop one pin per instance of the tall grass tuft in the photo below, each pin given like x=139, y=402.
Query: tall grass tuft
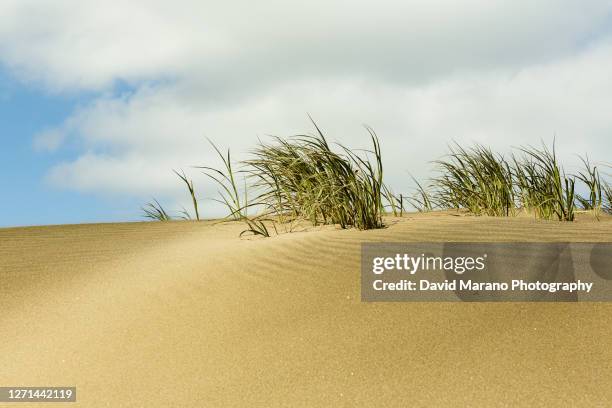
x=542, y=186
x=486, y=183
x=475, y=179
x=302, y=177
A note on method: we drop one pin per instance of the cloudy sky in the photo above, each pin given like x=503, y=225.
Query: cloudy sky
x=100, y=100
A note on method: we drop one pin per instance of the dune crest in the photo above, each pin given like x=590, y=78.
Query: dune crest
x=188, y=314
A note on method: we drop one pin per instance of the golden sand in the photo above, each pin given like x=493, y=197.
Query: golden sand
x=187, y=314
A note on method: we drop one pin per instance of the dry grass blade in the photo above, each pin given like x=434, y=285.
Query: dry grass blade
x=190, y=188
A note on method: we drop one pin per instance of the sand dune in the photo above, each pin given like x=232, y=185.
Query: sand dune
x=187, y=314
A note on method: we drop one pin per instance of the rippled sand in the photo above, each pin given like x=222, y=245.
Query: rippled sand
x=187, y=314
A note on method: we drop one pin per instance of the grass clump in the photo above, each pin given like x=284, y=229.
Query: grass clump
x=475, y=179
x=542, y=186
x=485, y=183
x=302, y=177
x=299, y=178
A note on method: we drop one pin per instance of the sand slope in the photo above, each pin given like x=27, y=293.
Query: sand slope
x=186, y=314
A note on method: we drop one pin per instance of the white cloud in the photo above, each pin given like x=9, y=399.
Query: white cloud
x=421, y=73
x=78, y=44
x=97, y=173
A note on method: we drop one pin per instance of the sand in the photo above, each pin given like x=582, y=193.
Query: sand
x=187, y=314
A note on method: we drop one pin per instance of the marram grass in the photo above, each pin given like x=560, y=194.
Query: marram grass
x=191, y=189
x=226, y=180
x=422, y=200
x=606, y=187
x=304, y=178
x=607, y=207
x=591, y=179
x=299, y=178
x=542, y=186
x=154, y=211
x=475, y=179
x=533, y=181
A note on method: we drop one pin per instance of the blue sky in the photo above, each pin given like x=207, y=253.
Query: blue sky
x=100, y=101
x=27, y=199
